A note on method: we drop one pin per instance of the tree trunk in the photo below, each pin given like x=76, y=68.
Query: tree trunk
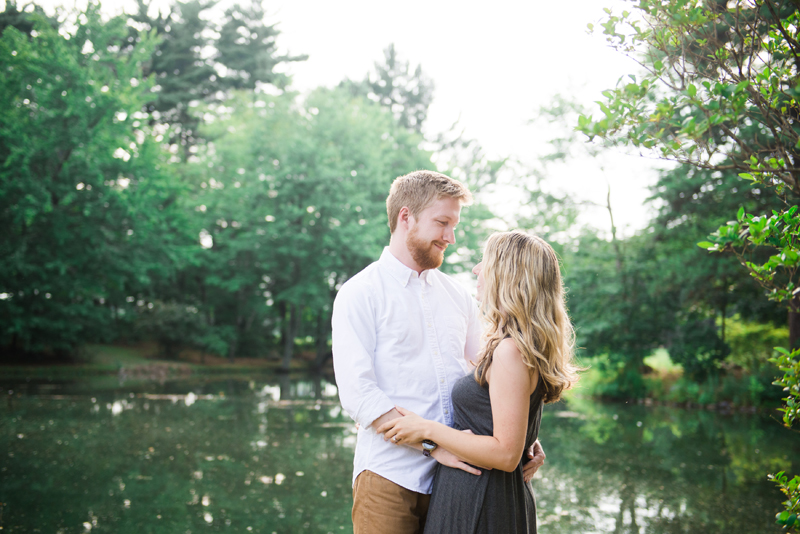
x=232, y=348
x=323, y=321
x=241, y=301
x=288, y=337
x=282, y=316
x=614, y=242
x=317, y=378
x=209, y=312
x=794, y=323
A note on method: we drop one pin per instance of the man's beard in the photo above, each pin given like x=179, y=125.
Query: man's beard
x=425, y=254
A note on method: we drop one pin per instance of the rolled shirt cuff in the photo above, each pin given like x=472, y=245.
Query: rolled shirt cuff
x=372, y=407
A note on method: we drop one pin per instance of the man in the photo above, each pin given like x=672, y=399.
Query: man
x=403, y=333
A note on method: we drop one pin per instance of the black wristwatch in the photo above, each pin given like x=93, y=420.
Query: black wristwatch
x=428, y=447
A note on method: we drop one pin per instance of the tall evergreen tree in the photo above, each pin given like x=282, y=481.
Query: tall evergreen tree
x=394, y=84
x=247, y=49
x=200, y=60
x=22, y=20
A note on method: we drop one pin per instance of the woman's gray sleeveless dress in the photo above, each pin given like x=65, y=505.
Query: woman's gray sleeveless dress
x=495, y=501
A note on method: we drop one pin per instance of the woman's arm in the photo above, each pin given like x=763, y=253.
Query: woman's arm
x=510, y=386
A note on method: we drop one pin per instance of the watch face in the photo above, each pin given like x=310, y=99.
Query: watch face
x=428, y=445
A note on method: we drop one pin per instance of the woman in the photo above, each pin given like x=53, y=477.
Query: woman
x=526, y=361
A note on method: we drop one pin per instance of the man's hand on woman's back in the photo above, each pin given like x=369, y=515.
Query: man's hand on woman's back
x=537, y=457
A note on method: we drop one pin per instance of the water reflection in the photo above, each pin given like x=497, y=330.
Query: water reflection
x=218, y=454
x=634, y=469
x=275, y=455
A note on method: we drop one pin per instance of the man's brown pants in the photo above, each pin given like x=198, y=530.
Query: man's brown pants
x=382, y=507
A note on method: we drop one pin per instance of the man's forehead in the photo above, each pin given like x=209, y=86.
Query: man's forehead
x=445, y=207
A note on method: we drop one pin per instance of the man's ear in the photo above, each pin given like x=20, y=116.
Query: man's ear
x=404, y=217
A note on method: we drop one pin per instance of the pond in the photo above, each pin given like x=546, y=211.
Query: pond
x=273, y=454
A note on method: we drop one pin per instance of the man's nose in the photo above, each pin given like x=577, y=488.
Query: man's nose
x=450, y=235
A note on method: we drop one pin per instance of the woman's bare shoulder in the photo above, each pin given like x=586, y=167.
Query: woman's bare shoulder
x=507, y=353
x=508, y=356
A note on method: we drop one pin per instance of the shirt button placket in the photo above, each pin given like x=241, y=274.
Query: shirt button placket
x=437, y=359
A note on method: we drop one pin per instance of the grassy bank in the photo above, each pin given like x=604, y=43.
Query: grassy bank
x=143, y=362
x=663, y=381
x=660, y=381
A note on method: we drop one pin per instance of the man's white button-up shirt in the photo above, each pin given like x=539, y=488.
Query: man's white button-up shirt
x=400, y=339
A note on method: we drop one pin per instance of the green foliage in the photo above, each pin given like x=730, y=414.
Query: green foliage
x=752, y=343
x=790, y=488
x=708, y=100
x=660, y=362
x=719, y=92
x=706, y=91
x=293, y=198
x=666, y=382
x=126, y=141
x=247, y=48
x=610, y=378
x=21, y=20
x=200, y=58
x=751, y=389
x=693, y=200
x=777, y=231
x=634, y=294
x=394, y=84
x=789, y=364
x=173, y=326
x=88, y=204
x=627, y=301
x=408, y=92
x=464, y=159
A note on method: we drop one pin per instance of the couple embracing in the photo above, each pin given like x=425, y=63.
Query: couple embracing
x=448, y=396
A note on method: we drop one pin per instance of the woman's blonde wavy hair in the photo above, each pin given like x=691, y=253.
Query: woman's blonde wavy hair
x=523, y=298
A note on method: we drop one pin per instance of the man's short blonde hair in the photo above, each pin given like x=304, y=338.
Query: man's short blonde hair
x=418, y=190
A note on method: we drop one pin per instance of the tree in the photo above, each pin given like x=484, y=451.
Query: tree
x=408, y=92
x=294, y=201
x=201, y=60
x=394, y=84
x=21, y=20
x=692, y=291
x=86, y=199
x=719, y=93
x=617, y=298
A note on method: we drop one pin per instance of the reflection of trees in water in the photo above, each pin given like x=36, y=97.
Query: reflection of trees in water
x=657, y=470
x=287, y=392
x=202, y=460
x=316, y=379
x=137, y=464
x=627, y=502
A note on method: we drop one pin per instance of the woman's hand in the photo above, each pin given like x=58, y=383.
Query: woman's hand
x=406, y=430
x=445, y=457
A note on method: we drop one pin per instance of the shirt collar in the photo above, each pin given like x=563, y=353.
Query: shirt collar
x=402, y=273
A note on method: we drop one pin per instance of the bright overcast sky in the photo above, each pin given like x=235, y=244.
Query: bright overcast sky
x=493, y=65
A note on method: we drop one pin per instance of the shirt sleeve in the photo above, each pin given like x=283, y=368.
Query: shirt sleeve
x=474, y=331
x=354, y=341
